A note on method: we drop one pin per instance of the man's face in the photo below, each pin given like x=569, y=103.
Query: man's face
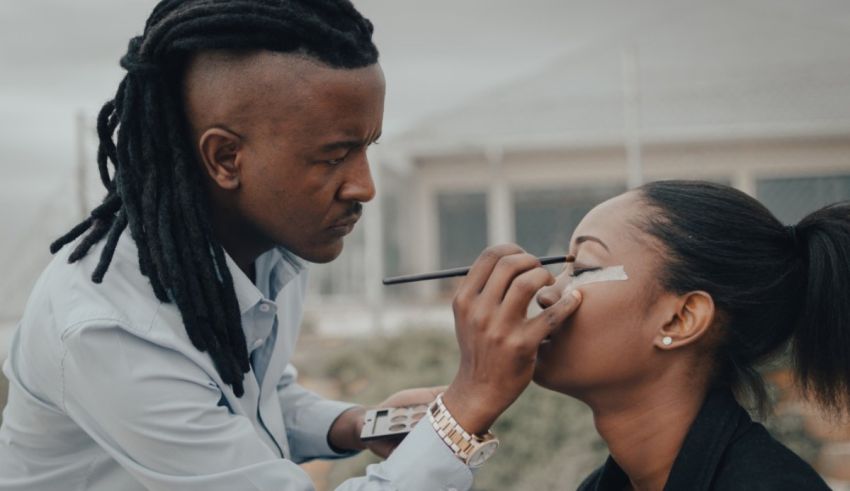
x=301, y=131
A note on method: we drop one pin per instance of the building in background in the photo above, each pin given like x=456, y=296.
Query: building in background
x=747, y=97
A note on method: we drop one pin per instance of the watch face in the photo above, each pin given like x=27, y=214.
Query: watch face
x=482, y=453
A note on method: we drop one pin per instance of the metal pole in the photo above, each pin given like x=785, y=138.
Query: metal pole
x=82, y=164
x=631, y=116
x=374, y=250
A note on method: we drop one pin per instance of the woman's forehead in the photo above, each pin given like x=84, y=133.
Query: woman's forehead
x=612, y=222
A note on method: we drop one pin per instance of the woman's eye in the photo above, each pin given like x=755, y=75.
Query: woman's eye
x=580, y=271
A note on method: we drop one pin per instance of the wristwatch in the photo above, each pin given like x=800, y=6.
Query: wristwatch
x=473, y=450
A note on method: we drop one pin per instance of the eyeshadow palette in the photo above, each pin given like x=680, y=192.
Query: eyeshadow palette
x=391, y=422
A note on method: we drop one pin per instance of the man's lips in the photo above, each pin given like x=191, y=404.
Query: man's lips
x=345, y=225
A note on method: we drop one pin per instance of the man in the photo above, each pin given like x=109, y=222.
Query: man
x=154, y=351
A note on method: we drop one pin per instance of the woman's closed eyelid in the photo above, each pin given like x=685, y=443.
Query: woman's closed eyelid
x=578, y=271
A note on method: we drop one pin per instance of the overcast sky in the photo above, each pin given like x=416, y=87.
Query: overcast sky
x=60, y=57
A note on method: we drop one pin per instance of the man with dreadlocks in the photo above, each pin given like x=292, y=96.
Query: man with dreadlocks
x=154, y=351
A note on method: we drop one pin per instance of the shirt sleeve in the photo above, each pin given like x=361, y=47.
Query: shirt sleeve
x=308, y=418
x=421, y=463
x=156, y=412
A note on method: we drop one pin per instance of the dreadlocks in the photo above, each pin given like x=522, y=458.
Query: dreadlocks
x=156, y=188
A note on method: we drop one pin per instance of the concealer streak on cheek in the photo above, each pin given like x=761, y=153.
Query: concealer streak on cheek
x=612, y=273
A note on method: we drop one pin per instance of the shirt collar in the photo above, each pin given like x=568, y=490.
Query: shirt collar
x=718, y=421
x=273, y=270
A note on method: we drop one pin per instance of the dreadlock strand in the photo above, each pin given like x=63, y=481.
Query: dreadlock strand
x=153, y=151
x=110, y=205
x=198, y=308
x=127, y=178
x=71, y=236
x=220, y=352
x=109, y=248
x=107, y=121
x=98, y=231
x=108, y=208
x=231, y=306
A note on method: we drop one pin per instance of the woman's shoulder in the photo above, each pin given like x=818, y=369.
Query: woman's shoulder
x=754, y=460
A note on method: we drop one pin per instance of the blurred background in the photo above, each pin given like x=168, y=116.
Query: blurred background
x=505, y=122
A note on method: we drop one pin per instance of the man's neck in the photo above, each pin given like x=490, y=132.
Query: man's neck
x=645, y=435
x=242, y=242
x=244, y=259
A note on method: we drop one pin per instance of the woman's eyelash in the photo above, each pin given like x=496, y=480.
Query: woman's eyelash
x=579, y=272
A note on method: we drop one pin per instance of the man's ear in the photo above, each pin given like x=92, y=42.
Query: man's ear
x=219, y=150
x=689, y=323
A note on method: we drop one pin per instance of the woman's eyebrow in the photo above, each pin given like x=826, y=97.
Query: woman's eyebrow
x=586, y=238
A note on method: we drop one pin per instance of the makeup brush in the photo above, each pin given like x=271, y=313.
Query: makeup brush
x=449, y=273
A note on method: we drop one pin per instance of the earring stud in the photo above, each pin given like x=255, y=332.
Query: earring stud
x=667, y=341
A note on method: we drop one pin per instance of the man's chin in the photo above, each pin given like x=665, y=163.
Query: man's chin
x=321, y=254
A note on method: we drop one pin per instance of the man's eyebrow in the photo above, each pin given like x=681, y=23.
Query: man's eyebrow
x=346, y=144
x=590, y=238
x=341, y=145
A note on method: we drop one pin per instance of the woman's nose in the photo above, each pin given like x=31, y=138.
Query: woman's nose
x=549, y=295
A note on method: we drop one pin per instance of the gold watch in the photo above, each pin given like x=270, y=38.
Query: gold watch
x=473, y=450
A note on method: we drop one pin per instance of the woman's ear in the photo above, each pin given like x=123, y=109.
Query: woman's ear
x=691, y=321
x=219, y=151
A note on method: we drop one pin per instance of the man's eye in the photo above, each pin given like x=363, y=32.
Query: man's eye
x=335, y=161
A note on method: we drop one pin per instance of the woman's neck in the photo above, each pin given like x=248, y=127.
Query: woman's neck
x=645, y=430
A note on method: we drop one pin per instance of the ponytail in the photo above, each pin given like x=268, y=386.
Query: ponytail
x=771, y=283
x=821, y=338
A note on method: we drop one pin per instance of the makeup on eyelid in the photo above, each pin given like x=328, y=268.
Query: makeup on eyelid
x=612, y=273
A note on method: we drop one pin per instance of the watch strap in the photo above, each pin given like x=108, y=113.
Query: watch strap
x=462, y=443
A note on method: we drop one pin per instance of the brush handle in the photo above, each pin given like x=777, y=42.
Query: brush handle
x=449, y=273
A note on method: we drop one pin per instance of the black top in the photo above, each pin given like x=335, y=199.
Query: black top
x=724, y=450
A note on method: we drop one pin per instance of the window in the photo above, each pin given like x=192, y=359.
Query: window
x=462, y=227
x=791, y=199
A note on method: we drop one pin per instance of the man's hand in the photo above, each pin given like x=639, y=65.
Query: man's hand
x=498, y=343
x=345, y=432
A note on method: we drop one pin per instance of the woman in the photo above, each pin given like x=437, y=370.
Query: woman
x=716, y=284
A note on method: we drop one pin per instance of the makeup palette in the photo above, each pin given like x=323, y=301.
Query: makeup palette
x=392, y=422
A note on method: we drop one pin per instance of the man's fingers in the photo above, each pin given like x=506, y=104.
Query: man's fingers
x=551, y=318
x=508, y=270
x=482, y=268
x=522, y=290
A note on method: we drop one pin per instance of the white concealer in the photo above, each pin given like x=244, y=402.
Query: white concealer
x=612, y=273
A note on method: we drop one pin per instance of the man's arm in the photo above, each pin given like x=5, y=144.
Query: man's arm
x=156, y=412
x=309, y=419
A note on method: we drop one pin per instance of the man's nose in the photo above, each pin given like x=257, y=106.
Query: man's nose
x=358, y=185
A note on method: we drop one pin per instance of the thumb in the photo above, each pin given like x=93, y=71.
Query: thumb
x=552, y=317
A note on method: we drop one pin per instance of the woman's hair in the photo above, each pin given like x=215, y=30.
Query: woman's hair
x=155, y=188
x=771, y=283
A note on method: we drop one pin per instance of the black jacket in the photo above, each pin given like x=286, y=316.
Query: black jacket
x=724, y=450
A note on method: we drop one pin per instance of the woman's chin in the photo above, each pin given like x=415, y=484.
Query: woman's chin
x=542, y=376
x=550, y=375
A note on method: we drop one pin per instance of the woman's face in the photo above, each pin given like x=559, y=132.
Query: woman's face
x=608, y=344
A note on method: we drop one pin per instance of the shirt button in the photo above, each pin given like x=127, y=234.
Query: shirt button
x=264, y=307
x=258, y=343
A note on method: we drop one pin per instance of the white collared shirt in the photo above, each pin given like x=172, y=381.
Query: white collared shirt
x=108, y=393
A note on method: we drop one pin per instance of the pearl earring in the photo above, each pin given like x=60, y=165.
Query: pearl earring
x=667, y=341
